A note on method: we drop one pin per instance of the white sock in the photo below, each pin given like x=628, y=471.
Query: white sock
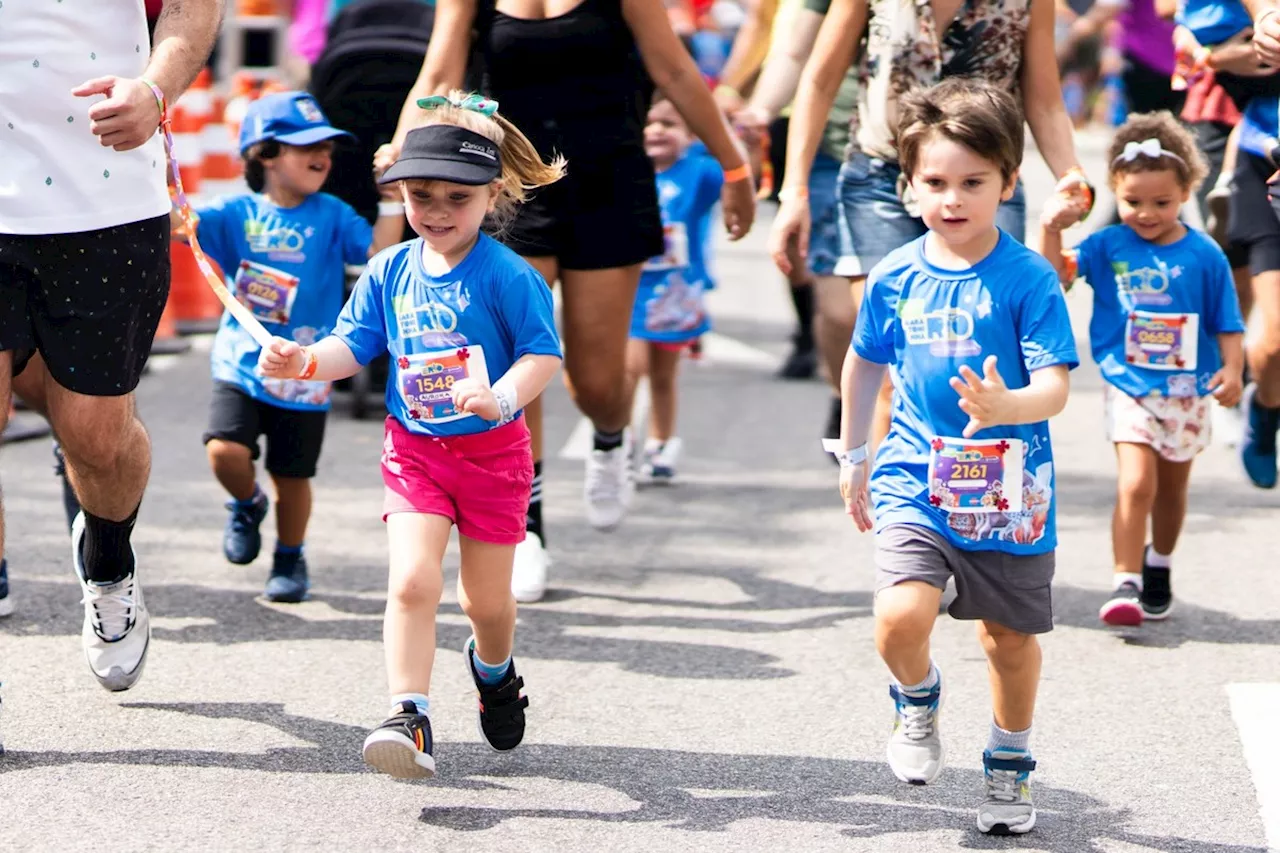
x=1122, y=578
x=930, y=682
x=1158, y=560
x=1015, y=741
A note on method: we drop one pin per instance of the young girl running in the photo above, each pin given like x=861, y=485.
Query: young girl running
x=975, y=332
x=670, y=312
x=1167, y=334
x=471, y=334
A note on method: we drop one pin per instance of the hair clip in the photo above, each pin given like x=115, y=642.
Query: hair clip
x=474, y=103
x=1147, y=148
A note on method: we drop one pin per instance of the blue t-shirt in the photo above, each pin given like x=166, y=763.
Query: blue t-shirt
x=1260, y=125
x=669, y=305
x=474, y=322
x=994, y=491
x=1157, y=310
x=287, y=266
x=1213, y=21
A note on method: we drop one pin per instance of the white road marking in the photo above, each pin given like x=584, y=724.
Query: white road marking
x=1254, y=708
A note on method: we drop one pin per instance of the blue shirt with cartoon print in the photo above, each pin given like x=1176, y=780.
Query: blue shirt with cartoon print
x=994, y=491
x=474, y=322
x=1157, y=310
x=669, y=306
x=286, y=265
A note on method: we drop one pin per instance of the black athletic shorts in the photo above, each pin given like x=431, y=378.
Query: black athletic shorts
x=88, y=302
x=293, y=436
x=1253, y=223
x=601, y=215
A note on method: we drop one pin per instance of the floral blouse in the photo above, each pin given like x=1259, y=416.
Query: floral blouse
x=904, y=52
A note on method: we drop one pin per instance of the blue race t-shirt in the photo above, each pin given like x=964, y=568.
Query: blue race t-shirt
x=286, y=265
x=1260, y=125
x=1213, y=21
x=669, y=305
x=474, y=322
x=1157, y=310
x=994, y=491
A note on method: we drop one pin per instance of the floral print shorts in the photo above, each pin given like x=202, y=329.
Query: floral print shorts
x=1177, y=428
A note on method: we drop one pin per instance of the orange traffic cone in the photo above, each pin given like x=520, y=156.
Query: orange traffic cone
x=196, y=307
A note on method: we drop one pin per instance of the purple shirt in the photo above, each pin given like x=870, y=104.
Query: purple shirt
x=1145, y=36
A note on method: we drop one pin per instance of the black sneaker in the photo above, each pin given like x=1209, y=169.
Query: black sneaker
x=1124, y=607
x=1157, y=592
x=288, y=582
x=241, y=541
x=802, y=363
x=500, y=719
x=401, y=746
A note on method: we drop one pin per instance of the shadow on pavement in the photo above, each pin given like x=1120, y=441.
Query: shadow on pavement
x=697, y=792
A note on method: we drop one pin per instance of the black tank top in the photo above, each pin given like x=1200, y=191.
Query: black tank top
x=573, y=83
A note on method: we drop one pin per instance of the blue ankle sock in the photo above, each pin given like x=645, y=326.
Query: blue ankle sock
x=419, y=700
x=999, y=739
x=490, y=673
x=253, y=499
x=288, y=550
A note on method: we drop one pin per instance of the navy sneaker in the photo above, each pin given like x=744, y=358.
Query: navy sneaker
x=6, y=603
x=1258, y=445
x=500, y=719
x=1157, y=591
x=288, y=582
x=241, y=541
x=401, y=746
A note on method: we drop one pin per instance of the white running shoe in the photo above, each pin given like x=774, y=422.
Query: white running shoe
x=529, y=573
x=609, y=485
x=660, y=460
x=117, y=630
x=915, y=750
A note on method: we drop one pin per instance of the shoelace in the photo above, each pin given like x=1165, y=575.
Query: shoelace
x=1002, y=785
x=112, y=612
x=605, y=476
x=917, y=721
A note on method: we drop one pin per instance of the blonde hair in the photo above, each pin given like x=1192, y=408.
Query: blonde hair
x=522, y=166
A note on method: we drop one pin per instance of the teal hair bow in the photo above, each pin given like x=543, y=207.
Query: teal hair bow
x=475, y=103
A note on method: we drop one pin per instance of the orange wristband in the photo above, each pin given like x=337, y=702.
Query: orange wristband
x=309, y=368
x=742, y=173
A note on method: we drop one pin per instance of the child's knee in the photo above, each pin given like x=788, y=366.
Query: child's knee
x=1005, y=645
x=417, y=586
x=489, y=609
x=904, y=615
x=1136, y=487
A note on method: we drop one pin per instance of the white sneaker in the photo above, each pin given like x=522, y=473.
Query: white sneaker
x=660, y=460
x=609, y=485
x=117, y=630
x=529, y=574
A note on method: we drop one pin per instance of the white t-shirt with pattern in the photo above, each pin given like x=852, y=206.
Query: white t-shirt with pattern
x=55, y=177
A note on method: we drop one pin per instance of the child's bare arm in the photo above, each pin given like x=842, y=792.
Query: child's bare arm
x=287, y=360
x=389, y=228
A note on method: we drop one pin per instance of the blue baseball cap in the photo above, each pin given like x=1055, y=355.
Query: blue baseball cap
x=293, y=118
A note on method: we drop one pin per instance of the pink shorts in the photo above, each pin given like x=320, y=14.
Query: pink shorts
x=480, y=482
x=1176, y=428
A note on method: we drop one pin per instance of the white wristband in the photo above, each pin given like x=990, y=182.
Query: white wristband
x=504, y=391
x=846, y=458
x=390, y=208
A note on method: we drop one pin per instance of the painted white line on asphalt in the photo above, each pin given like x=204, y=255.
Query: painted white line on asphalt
x=722, y=349
x=1254, y=707
x=578, y=445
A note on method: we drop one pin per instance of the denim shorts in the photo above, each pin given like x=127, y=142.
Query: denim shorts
x=827, y=240
x=876, y=223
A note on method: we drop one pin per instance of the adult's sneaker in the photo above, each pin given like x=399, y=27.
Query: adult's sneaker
x=242, y=540
x=1124, y=608
x=1157, y=591
x=288, y=582
x=609, y=485
x=500, y=718
x=401, y=746
x=529, y=571
x=117, y=629
x=1007, y=809
x=915, y=748
x=1258, y=443
x=6, y=603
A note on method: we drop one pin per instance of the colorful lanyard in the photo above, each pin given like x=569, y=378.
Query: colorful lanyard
x=188, y=229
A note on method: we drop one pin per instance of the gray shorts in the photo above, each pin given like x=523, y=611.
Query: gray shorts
x=1011, y=590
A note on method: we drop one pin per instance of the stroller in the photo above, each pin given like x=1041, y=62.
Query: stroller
x=372, y=56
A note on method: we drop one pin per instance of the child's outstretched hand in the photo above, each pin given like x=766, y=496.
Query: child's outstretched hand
x=281, y=359
x=985, y=399
x=475, y=398
x=1227, y=386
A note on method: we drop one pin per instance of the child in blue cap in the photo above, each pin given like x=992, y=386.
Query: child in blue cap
x=284, y=246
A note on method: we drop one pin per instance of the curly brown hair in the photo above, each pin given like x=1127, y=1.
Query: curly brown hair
x=1172, y=136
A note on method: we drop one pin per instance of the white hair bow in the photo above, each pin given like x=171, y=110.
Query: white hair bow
x=1146, y=148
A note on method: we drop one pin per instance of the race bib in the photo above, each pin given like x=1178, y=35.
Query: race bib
x=675, y=253
x=267, y=292
x=970, y=475
x=1161, y=341
x=426, y=381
